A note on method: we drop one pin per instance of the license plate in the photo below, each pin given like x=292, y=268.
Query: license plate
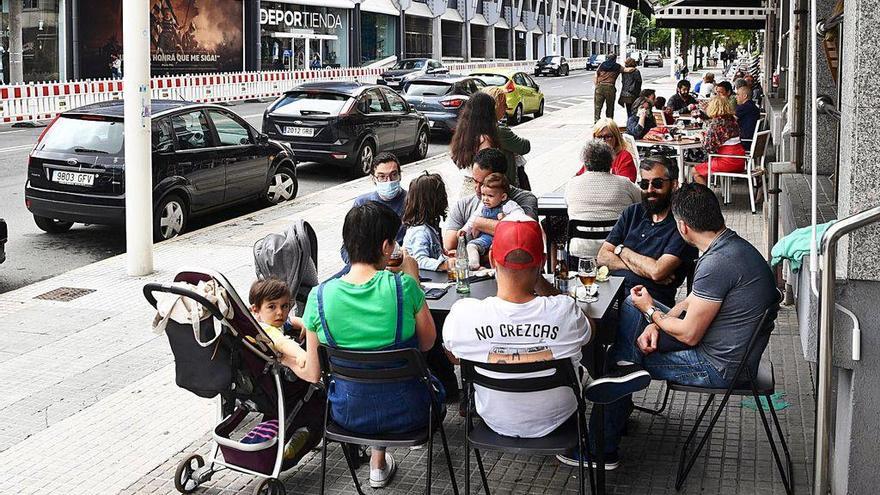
x=299, y=131
x=73, y=178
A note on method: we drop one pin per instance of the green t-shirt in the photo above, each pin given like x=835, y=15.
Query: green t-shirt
x=364, y=317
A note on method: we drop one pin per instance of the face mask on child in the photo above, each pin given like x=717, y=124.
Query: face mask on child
x=388, y=190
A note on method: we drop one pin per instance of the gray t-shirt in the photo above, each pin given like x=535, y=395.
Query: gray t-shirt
x=465, y=207
x=734, y=273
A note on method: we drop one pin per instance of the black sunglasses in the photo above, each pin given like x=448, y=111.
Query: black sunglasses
x=655, y=183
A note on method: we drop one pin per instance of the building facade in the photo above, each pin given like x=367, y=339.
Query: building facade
x=66, y=40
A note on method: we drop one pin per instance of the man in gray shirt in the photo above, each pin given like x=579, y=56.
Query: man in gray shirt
x=486, y=161
x=703, y=339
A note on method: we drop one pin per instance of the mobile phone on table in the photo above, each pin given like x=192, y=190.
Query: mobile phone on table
x=436, y=293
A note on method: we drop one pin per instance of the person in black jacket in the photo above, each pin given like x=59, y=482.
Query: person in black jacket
x=631, y=86
x=682, y=101
x=642, y=118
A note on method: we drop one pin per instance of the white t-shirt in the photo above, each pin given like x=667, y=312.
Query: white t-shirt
x=494, y=330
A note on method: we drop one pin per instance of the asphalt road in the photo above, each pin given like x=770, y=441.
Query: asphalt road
x=33, y=255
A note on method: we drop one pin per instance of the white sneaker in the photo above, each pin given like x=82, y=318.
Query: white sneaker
x=379, y=478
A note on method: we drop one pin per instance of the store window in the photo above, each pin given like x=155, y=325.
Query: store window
x=478, y=41
x=299, y=37
x=39, y=39
x=418, y=37
x=378, y=36
x=452, y=36
x=502, y=43
x=520, y=45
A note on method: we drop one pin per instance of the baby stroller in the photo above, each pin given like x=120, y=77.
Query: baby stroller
x=227, y=354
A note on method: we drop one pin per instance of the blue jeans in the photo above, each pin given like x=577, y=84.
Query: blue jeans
x=483, y=243
x=673, y=361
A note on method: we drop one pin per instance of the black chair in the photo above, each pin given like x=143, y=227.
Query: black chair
x=380, y=367
x=302, y=293
x=567, y=437
x=588, y=230
x=762, y=384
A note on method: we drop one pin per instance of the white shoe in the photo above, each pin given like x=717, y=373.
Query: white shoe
x=379, y=478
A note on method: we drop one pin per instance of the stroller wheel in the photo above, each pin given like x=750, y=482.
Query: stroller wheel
x=270, y=486
x=184, y=479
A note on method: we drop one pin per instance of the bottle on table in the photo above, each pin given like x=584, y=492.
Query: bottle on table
x=462, y=284
x=560, y=271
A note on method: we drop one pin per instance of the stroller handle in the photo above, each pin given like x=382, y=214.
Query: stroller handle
x=150, y=288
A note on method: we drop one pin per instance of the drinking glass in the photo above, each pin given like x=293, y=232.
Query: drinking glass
x=587, y=269
x=396, y=258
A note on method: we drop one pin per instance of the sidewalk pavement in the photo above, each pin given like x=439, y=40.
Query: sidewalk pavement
x=88, y=402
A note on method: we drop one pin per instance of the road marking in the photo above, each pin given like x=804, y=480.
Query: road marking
x=15, y=130
x=16, y=148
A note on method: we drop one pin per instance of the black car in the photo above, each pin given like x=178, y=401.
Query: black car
x=3, y=238
x=410, y=68
x=346, y=123
x=653, y=59
x=556, y=65
x=205, y=157
x=441, y=98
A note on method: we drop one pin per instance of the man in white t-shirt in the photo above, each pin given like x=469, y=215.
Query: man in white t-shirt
x=518, y=327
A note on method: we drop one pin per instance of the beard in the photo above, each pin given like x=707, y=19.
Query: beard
x=655, y=203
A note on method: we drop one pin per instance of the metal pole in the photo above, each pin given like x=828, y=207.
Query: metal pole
x=16, y=62
x=672, y=52
x=138, y=153
x=826, y=339
x=623, y=33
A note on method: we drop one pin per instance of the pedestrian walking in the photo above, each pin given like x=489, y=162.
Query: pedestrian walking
x=631, y=86
x=606, y=91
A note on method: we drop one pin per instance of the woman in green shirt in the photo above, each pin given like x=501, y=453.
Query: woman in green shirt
x=371, y=309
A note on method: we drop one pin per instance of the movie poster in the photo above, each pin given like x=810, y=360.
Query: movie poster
x=186, y=37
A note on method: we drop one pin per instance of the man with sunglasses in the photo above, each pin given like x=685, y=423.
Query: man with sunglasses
x=645, y=246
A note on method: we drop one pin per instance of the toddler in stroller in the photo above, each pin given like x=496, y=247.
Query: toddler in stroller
x=221, y=350
x=270, y=304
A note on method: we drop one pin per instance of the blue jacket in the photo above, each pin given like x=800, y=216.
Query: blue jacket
x=747, y=115
x=423, y=243
x=635, y=130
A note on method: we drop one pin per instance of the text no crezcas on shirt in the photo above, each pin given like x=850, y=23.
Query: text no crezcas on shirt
x=494, y=331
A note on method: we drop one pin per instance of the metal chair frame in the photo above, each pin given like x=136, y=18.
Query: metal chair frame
x=754, y=169
x=564, y=376
x=381, y=367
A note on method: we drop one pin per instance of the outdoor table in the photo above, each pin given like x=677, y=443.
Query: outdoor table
x=679, y=146
x=552, y=204
x=610, y=291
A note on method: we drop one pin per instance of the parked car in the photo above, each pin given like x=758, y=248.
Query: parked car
x=441, y=98
x=595, y=61
x=552, y=64
x=4, y=236
x=653, y=59
x=523, y=93
x=205, y=157
x=346, y=123
x=410, y=68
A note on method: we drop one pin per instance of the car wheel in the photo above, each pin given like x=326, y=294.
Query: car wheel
x=365, y=157
x=52, y=226
x=540, y=111
x=283, y=186
x=421, y=149
x=517, y=116
x=171, y=218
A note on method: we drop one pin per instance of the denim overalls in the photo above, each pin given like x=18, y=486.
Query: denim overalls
x=374, y=408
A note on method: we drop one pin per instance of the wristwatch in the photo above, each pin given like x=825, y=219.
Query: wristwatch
x=619, y=249
x=649, y=314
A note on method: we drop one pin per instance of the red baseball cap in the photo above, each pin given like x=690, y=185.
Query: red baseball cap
x=513, y=235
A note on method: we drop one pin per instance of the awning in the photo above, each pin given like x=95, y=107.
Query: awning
x=336, y=4
x=712, y=14
x=502, y=23
x=450, y=15
x=479, y=20
x=519, y=27
x=644, y=6
x=420, y=9
x=379, y=7
x=536, y=31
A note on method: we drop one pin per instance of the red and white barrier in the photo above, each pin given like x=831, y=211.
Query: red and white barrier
x=42, y=101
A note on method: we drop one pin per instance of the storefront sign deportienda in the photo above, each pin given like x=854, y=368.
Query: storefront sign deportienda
x=299, y=20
